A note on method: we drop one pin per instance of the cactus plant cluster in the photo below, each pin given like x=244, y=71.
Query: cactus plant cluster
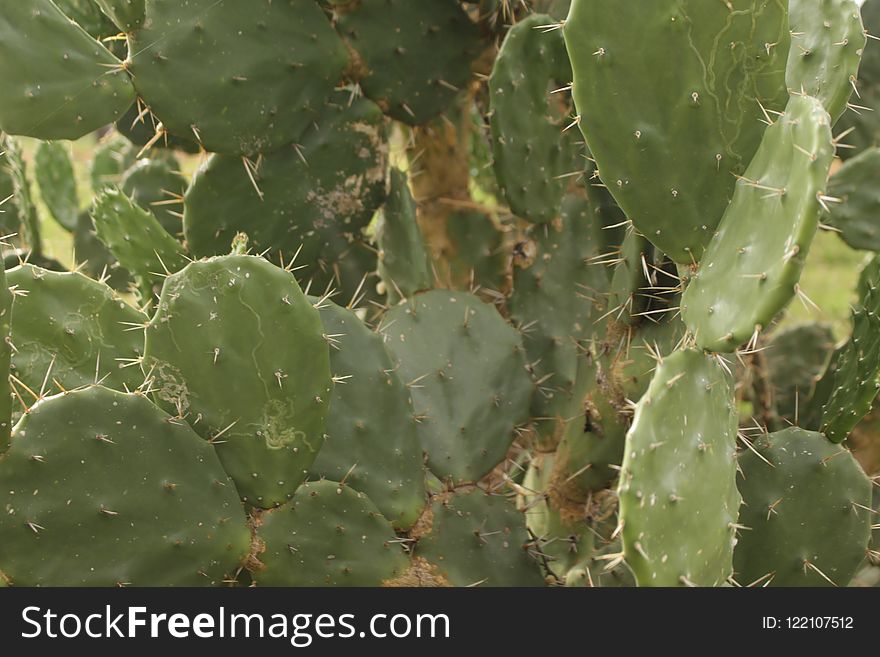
x=462, y=293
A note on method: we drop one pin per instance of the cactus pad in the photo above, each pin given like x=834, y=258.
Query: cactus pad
x=533, y=156
x=126, y=14
x=856, y=380
x=157, y=187
x=668, y=138
x=412, y=58
x=137, y=240
x=467, y=372
x=331, y=183
x=57, y=183
x=556, y=291
x=857, y=215
x=372, y=439
x=241, y=319
x=471, y=538
x=806, y=506
x=327, y=535
x=58, y=82
x=206, y=68
x=678, y=497
x=752, y=267
x=404, y=263
x=70, y=331
x=827, y=41
x=147, y=505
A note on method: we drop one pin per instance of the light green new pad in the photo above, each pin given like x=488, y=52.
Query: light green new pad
x=752, y=266
x=678, y=496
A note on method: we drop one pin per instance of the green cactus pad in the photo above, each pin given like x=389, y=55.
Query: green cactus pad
x=533, y=156
x=860, y=123
x=556, y=293
x=328, y=535
x=158, y=187
x=751, y=269
x=471, y=538
x=95, y=260
x=678, y=497
x=668, y=138
x=372, y=439
x=241, y=319
x=466, y=369
x=827, y=41
x=26, y=222
x=806, y=506
x=58, y=82
x=70, y=331
x=137, y=240
x=147, y=504
x=857, y=215
x=404, y=262
x=856, y=380
x=331, y=183
x=128, y=15
x=796, y=358
x=243, y=79
x=113, y=156
x=412, y=58
x=57, y=183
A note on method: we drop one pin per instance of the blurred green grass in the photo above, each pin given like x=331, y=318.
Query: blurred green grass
x=829, y=278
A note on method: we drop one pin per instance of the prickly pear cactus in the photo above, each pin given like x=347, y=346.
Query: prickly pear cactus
x=68, y=331
x=438, y=293
x=751, y=269
x=57, y=183
x=327, y=535
x=204, y=70
x=466, y=369
x=147, y=505
x=471, y=538
x=239, y=318
x=668, y=138
x=372, y=432
x=678, y=496
x=59, y=83
x=807, y=507
x=857, y=201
